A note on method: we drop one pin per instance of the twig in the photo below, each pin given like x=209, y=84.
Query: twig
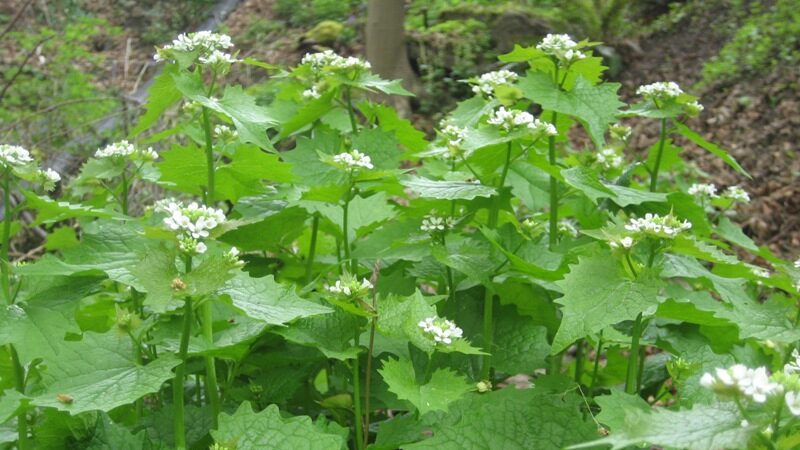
x=16, y=18
x=22, y=66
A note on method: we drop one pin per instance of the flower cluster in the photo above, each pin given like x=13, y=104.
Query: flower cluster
x=206, y=45
x=432, y=223
x=312, y=93
x=353, y=160
x=192, y=223
x=610, y=159
x=620, y=132
x=48, y=178
x=512, y=120
x=330, y=61
x=124, y=149
x=737, y=194
x=349, y=287
x=660, y=91
x=561, y=47
x=14, y=156
x=754, y=384
x=225, y=132
x=568, y=226
x=232, y=257
x=703, y=190
x=658, y=226
x=443, y=331
x=488, y=82
x=624, y=242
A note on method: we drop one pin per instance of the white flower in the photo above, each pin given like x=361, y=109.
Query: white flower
x=703, y=190
x=205, y=43
x=486, y=83
x=512, y=120
x=797, y=263
x=793, y=366
x=233, y=257
x=561, y=47
x=568, y=227
x=662, y=90
x=760, y=272
x=14, y=156
x=350, y=287
x=744, y=423
x=312, y=93
x=755, y=384
x=610, y=159
x=737, y=194
x=353, y=160
x=330, y=61
x=626, y=242
x=225, y=132
x=792, y=399
x=694, y=108
x=658, y=226
x=191, y=223
x=49, y=178
x=217, y=57
x=123, y=149
x=432, y=223
x=442, y=331
x=620, y=132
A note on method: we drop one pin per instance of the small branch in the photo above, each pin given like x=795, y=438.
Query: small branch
x=16, y=18
x=367, y=379
x=22, y=65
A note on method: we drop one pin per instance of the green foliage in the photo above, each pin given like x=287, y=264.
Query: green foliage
x=766, y=39
x=493, y=287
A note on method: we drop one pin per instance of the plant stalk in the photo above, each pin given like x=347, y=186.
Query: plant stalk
x=661, y=141
x=551, y=151
x=598, y=351
x=5, y=265
x=312, y=247
x=579, y=360
x=180, y=374
x=348, y=97
x=124, y=193
x=359, y=434
x=632, y=377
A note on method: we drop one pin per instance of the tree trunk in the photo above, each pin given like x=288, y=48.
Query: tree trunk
x=386, y=48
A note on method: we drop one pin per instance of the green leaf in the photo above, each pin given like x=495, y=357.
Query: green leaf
x=700, y=428
x=265, y=430
x=273, y=230
x=594, y=106
x=268, y=301
x=161, y=95
x=444, y=387
x=598, y=294
x=332, y=334
x=52, y=211
x=730, y=289
x=733, y=233
x=588, y=182
x=711, y=147
x=769, y=320
x=251, y=120
x=184, y=169
x=520, y=345
x=382, y=147
x=388, y=120
x=108, y=435
x=447, y=190
x=510, y=419
x=155, y=273
x=99, y=373
x=307, y=114
x=373, y=82
x=44, y=315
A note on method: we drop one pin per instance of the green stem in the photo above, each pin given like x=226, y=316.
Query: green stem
x=505, y=166
x=345, y=233
x=598, y=352
x=359, y=434
x=180, y=377
x=579, y=360
x=212, y=388
x=633, y=359
x=124, y=193
x=776, y=425
x=209, y=158
x=312, y=248
x=349, y=99
x=5, y=265
x=488, y=332
x=428, y=367
x=551, y=144
x=661, y=140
